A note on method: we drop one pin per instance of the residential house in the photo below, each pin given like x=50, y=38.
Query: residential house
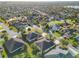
x=44, y=45
x=58, y=53
x=73, y=50
x=31, y=37
x=12, y=47
x=55, y=27
x=77, y=38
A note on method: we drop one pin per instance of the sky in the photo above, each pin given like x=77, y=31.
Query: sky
x=39, y=0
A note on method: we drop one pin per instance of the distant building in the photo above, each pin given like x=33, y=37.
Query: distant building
x=54, y=27
x=51, y=18
x=60, y=19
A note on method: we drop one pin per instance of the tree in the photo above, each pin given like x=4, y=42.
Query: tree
x=2, y=20
x=64, y=44
x=5, y=35
x=73, y=42
x=77, y=56
x=35, y=50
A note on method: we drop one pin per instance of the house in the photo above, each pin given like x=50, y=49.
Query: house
x=45, y=45
x=12, y=47
x=66, y=35
x=55, y=27
x=73, y=50
x=31, y=37
x=77, y=38
x=51, y=18
x=58, y=53
x=60, y=19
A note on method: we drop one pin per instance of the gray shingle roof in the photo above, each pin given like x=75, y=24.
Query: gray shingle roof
x=32, y=36
x=44, y=45
x=13, y=46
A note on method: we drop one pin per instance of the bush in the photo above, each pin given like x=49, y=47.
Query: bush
x=2, y=20
x=13, y=28
x=77, y=56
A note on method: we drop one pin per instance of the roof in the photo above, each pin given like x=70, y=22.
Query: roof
x=56, y=50
x=55, y=27
x=32, y=36
x=73, y=50
x=60, y=55
x=77, y=38
x=44, y=45
x=57, y=42
x=13, y=46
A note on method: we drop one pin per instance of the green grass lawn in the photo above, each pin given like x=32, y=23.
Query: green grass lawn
x=1, y=42
x=13, y=28
x=1, y=28
x=55, y=22
x=4, y=54
x=70, y=21
x=2, y=20
x=57, y=34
